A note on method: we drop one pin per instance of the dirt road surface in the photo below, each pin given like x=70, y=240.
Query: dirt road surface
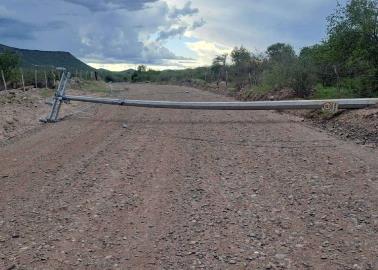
x=186, y=190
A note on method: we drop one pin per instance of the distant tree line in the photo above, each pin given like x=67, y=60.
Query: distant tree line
x=345, y=64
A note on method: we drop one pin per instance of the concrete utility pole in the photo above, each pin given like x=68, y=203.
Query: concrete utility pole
x=252, y=105
x=5, y=84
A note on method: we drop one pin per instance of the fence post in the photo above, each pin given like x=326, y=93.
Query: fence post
x=52, y=71
x=22, y=80
x=35, y=79
x=46, y=79
x=226, y=79
x=5, y=84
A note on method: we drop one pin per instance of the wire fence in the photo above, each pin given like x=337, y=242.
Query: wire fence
x=39, y=78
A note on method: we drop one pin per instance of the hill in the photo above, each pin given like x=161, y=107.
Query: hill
x=116, y=76
x=48, y=59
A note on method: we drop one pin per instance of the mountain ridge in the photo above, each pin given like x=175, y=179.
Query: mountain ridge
x=48, y=59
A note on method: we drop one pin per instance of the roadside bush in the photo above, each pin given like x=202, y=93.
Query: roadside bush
x=9, y=62
x=330, y=92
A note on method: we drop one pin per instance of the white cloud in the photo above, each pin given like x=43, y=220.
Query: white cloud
x=206, y=51
x=259, y=23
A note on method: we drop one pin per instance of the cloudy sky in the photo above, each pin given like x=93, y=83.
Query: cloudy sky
x=119, y=34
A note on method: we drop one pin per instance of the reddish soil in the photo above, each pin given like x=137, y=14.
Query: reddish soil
x=186, y=190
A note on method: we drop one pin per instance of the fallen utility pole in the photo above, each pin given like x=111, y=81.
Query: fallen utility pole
x=254, y=105
x=330, y=105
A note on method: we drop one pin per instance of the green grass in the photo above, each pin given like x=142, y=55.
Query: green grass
x=261, y=89
x=95, y=86
x=322, y=92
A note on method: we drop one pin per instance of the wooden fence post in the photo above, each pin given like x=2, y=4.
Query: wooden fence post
x=46, y=79
x=35, y=79
x=22, y=80
x=53, y=77
x=5, y=84
x=226, y=78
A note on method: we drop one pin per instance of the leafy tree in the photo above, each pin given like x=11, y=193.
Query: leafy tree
x=353, y=43
x=142, y=68
x=241, y=56
x=241, y=59
x=281, y=53
x=9, y=61
x=219, y=66
x=319, y=57
x=304, y=76
x=280, y=64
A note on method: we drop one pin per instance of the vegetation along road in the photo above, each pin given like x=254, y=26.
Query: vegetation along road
x=184, y=190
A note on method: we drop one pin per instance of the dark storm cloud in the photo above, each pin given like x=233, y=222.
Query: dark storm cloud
x=103, y=5
x=187, y=10
x=180, y=28
x=172, y=33
x=15, y=29
x=127, y=32
x=198, y=24
x=178, y=31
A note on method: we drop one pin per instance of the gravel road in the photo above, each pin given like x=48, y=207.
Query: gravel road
x=133, y=188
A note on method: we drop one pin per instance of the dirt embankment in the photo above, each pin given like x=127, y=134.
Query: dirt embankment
x=360, y=126
x=20, y=110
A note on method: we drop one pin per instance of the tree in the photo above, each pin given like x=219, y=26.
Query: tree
x=9, y=61
x=321, y=65
x=142, y=68
x=353, y=43
x=281, y=59
x=304, y=73
x=281, y=53
x=241, y=59
x=219, y=66
x=241, y=56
